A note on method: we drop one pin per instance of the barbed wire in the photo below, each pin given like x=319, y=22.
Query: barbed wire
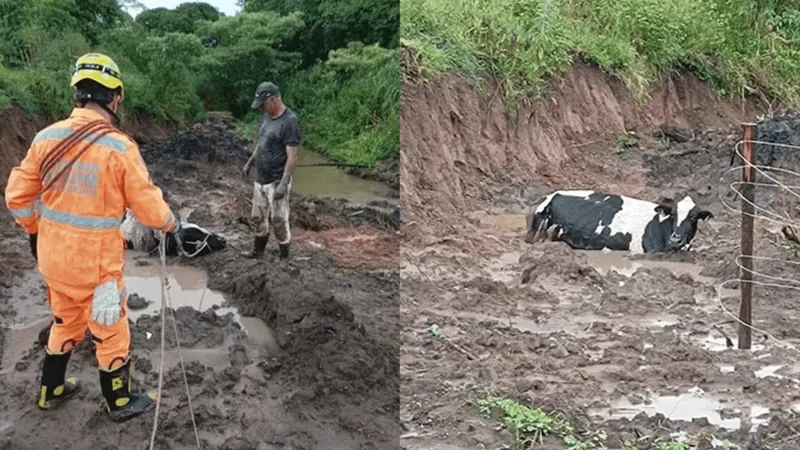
x=768, y=214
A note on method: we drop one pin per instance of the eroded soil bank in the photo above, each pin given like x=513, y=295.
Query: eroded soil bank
x=633, y=350
x=303, y=356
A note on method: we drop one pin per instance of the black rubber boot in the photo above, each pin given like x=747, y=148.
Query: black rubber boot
x=55, y=389
x=44, y=334
x=283, y=251
x=122, y=404
x=259, y=245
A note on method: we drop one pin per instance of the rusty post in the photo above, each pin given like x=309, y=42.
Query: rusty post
x=748, y=212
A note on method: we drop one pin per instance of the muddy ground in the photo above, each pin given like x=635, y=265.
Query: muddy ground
x=632, y=348
x=315, y=367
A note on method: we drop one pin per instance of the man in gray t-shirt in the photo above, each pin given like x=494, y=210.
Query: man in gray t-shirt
x=275, y=155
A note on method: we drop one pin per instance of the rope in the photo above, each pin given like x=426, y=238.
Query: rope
x=203, y=245
x=165, y=300
x=162, y=251
x=769, y=215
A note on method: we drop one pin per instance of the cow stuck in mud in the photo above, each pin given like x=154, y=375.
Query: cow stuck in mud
x=591, y=220
x=197, y=241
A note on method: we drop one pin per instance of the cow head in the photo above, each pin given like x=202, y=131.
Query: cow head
x=683, y=217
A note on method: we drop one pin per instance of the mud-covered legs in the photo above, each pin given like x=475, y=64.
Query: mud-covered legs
x=269, y=213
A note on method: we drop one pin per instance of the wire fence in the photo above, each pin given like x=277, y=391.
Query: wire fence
x=756, y=181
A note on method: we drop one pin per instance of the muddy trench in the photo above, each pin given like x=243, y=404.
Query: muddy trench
x=277, y=356
x=634, y=350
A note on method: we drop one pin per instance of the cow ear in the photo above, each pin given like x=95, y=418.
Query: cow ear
x=704, y=215
x=665, y=206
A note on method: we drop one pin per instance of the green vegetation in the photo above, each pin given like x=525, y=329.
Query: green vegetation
x=530, y=426
x=739, y=46
x=626, y=141
x=337, y=64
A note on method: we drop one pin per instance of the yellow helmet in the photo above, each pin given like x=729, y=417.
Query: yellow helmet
x=99, y=68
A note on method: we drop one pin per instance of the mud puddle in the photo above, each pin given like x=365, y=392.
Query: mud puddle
x=187, y=287
x=606, y=262
x=716, y=343
x=329, y=181
x=19, y=340
x=504, y=222
x=694, y=404
x=575, y=324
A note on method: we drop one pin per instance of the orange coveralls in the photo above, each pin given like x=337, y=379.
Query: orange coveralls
x=78, y=221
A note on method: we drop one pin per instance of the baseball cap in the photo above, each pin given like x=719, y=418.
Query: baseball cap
x=263, y=92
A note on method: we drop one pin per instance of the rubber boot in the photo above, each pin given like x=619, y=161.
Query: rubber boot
x=283, y=250
x=259, y=245
x=121, y=403
x=55, y=389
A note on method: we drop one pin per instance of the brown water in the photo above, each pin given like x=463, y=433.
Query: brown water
x=187, y=287
x=328, y=181
x=505, y=222
x=605, y=262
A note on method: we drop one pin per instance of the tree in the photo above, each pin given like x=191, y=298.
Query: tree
x=332, y=25
x=179, y=20
x=197, y=11
x=247, y=51
x=95, y=16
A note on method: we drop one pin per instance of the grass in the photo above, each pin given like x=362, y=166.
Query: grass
x=626, y=141
x=739, y=46
x=530, y=426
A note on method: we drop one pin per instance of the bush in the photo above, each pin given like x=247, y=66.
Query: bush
x=349, y=106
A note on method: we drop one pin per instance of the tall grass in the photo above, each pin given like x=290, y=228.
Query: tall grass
x=739, y=46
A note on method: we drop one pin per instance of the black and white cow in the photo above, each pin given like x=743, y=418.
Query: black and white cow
x=197, y=241
x=591, y=220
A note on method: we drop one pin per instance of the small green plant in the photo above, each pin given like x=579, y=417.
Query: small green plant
x=626, y=141
x=530, y=425
x=675, y=446
x=661, y=146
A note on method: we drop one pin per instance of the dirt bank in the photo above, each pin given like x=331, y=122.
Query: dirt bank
x=632, y=349
x=455, y=141
x=301, y=356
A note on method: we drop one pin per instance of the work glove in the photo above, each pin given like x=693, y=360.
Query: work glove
x=280, y=192
x=32, y=238
x=106, y=308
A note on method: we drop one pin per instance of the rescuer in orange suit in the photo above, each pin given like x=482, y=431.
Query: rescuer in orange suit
x=77, y=222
